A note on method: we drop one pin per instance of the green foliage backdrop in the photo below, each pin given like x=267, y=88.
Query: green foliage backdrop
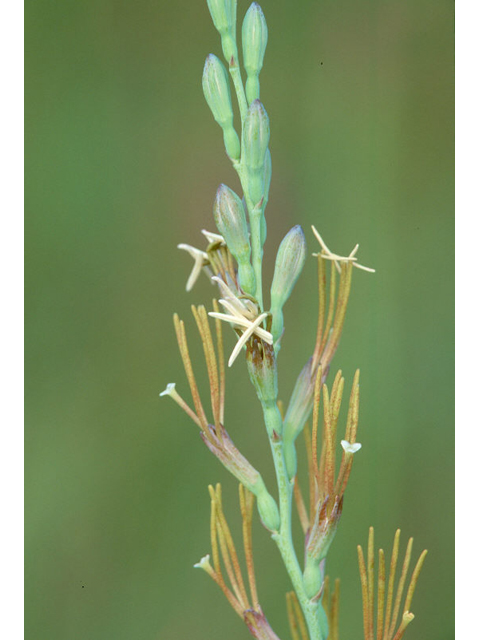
x=123, y=159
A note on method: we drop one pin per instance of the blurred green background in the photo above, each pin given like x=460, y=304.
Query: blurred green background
x=123, y=159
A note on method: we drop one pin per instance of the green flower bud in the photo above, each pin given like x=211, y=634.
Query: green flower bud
x=301, y=402
x=256, y=137
x=268, y=511
x=230, y=219
x=312, y=579
x=254, y=40
x=224, y=14
x=216, y=89
x=288, y=266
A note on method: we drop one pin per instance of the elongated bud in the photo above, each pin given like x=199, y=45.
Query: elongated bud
x=224, y=16
x=268, y=511
x=288, y=266
x=254, y=41
x=230, y=219
x=216, y=89
x=300, y=404
x=256, y=138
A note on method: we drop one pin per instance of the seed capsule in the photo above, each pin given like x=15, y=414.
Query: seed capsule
x=254, y=40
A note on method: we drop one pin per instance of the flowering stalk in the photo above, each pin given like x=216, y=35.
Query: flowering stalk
x=232, y=260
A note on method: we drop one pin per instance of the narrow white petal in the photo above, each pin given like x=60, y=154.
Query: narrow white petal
x=193, y=251
x=360, y=266
x=213, y=237
x=233, y=319
x=230, y=305
x=193, y=277
x=226, y=291
x=245, y=336
x=354, y=250
x=265, y=335
x=320, y=240
x=201, y=260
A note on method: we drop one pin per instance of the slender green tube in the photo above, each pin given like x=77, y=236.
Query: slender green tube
x=313, y=611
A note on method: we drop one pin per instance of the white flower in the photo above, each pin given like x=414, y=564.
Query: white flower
x=204, y=564
x=169, y=390
x=242, y=313
x=350, y=448
x=329, y=255
x=201, y=260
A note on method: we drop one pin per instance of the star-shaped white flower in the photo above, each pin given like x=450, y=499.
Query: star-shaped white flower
x=204, y=564
x=200, y=261
x=329, y=255
x=169, y=390
x=242, y=313
x=350, y=448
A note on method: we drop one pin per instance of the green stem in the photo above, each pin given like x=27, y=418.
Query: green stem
x=236, y=75
x=257, y=251
x=312, y=610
